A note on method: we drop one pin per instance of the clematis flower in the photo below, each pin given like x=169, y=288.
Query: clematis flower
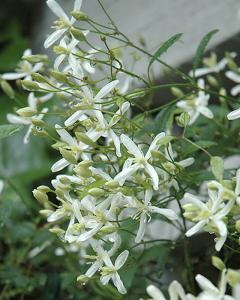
x=65, y=22
x=89, y=100
x=140, y=161
x=24, y=70
x=210, y=291
x=175, y=292
x=210, y=215
x=198, y=105
x=32, y=103
x=109, y=271
x=212, y=66
x=146, y=209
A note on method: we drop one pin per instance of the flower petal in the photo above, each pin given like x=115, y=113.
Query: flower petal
x=131, y=146
x=53, y=37
x=106, y=89
x=57, y=10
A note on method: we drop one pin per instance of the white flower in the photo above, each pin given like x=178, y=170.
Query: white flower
x=146, y=209
x=104, y=128
x=198, y=105
x=32, y=102
x=65, y=22
x=236, y=78
x=209, y=215
x=94, y=102
x=175, y=292
x=210, y=291
x=24, y=70
x=212, y=65
x=140, y=161
x=109, y=271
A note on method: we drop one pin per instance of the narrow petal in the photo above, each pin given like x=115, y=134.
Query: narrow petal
x=87, y=235
x=186, y=162
x=196, y=228
x=57, y=10
x=118, y=283
x=121, y=259
x=153, y=174
x=14, y=119
x=142, y=228
x=168, y=213
x=235, y=90
x=201, y=72
x=235, y=114
x=233, y=76
x=175, y=290
x=59, y=165
x=237, y=188
x=106, y=90
x=116, y=142
x=205, y=284
x=126, y=173
x=155, y=293
x=131, y=146
x=206, y=112
x=93, y=269
x=73, y=118
x=66, y=137
x=154, y=145
x=13, y=76
x=53, y=37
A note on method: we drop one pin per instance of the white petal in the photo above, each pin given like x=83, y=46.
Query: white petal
x=168, y=213
x=73, y=118
x=87, y=235
x=59, y=165
x=14, y=119
x=155, y=293
x=201, y=72
x=205, y=284
x=66, y=137
x=206, y=112
x=237, y=188
x=58, y=61
x=154, y=145
x=118, y=283
x=57, y=215
x=175, y=290
x=192, y=199
x=121, y=259
x=57, y=10
x=233, y=76
x=235, y=90
x=126, y=173
x=13, y=76
x=131, y=146
x=186, y=162
x=196, y=228
x=105, y=90
x=105, y=279
x=77, y=5
x=142, y=228
x=93, y=269
x=153, y=174
x=116, y=142
x=53, y=37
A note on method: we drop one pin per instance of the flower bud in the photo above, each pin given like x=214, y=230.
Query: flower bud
x=59, y=76
x=96, y=192
x=212, y=81
x=37, y=58
x=58, y=231
x=82, y=171
x=39, y=78
x=68, y=155
x=79, y=16
x=237, y=225
x=26, y=112
x=83, y=279
x=40, y=196
x=177, y=92
x=113, y=184
x=7, y=89
x=38, y=122
x=44, y=188
x=78, y=34
x=218, y=263
x=29, y=85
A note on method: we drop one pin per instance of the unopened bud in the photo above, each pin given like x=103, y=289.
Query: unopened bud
x=113, y=184
x=96, y=192
x=36, y=58
x=83, y=279
x=7, y=89
x=38, y=122
x=39, y=78
x=237, y=225
x=79, y=16
x=212, y=81
x=26, y=112
x=184, y=119
x=78, y=34
x=68, y=155
x=82, y=137
x=177, y=92
x=29, y=85
x=233, y=277
x=59, y=76
x=40, y=196
x=218, y=263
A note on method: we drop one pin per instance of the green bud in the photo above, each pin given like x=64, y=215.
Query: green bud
x=96, y=192
x=212, y=81
x=59, y=76
x=218, y=263
x=82, y=137
x=39, y=78
x=78, y=34
x=58, y=231
x=40, y=196
x=68, y=155
x=38, y=122
x=40, y=133
x=26, y=112
x=36, y=58
x=230, y=62
x=83, y=279
x=44, y=188
x=184, y=119
x=29, y=85
x=7, y=89
x=79, y=16
x=60, y=50
x=176, y=92
x=217, y=167
x=46, y=212
x=86, y=163
x=83, y=172
x=112, y=184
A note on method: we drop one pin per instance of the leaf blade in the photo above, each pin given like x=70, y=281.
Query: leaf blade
x=9, y=129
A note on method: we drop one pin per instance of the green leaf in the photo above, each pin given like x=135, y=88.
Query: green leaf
x=217, y=165
x=201, y=48
x=9, y=129
x=164, y=47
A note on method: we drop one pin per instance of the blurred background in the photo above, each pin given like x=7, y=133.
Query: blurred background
x=30, y=266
